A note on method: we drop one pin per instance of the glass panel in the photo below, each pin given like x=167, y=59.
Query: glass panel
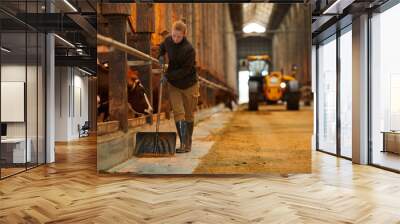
x=13, y=86
x=386, y=89
x=346, y=94
x=41, y=99
x=31, y=97
x=23, y=88
x=327, y=97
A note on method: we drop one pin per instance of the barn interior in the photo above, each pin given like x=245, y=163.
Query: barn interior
x=228, y=53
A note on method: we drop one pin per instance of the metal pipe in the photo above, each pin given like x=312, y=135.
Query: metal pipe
x=211, y=84
x=126, y=48
x=137, y=53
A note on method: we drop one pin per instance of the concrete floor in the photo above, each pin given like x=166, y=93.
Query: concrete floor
x=271, y=140
x=183, y=163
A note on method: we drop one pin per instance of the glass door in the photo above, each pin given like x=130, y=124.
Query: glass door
x=346, y=92
x=385, y=89
x=326, y=79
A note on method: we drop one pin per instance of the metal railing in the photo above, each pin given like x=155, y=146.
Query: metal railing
x=130, y=50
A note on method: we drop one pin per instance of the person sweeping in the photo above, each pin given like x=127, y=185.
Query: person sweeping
x=182, y=81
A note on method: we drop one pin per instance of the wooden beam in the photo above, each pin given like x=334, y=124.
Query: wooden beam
x=119, y=9
x=117, y=15
x=145, y=21
x=145, y=26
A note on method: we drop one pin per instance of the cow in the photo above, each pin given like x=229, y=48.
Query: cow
x=138, y=100
x=139, y=103
x=103, y=112
x=228, y=98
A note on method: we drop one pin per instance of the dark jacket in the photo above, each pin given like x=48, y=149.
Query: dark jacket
x=181, y=71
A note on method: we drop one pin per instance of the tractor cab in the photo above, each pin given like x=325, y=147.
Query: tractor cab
x=271, y=87
x=259, y=67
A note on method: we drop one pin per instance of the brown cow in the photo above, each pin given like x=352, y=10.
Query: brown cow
x=227, y=98
x=138, y=101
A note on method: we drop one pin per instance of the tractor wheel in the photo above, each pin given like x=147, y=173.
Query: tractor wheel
x=253, y=102
x=293, y=102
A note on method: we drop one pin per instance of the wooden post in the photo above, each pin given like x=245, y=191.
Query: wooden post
x=117, y=15
x=145, y=26
x=92, y=86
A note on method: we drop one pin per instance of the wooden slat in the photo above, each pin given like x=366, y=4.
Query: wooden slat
x=206, y=32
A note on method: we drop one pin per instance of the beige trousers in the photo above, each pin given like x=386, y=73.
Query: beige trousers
x=184, y=101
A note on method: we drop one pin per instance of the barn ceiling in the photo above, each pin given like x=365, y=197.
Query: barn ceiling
x=258, y=13
x=269, y=15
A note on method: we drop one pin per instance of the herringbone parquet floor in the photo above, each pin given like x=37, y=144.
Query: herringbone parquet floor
x=71, y=191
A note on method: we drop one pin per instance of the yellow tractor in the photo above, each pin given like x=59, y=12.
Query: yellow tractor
x=271, y=87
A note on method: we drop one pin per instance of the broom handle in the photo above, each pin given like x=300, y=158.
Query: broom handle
x=159, y=104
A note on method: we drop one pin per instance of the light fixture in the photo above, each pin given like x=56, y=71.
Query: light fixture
x=264, y=72
x=283, y=85
x=337, y=7
x=84, y=71
x=70, y=5
x=254, y=28
x=65, y=41
x=5, y=50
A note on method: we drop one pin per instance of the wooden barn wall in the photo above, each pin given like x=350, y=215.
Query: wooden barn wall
x=230, y=53
x=291, y=44
x=210, y=31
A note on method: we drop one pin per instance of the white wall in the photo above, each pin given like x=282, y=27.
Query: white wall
x=80, y=96
x=61, y=103
x=33, y=127
x=71, y=102
x=16, y=73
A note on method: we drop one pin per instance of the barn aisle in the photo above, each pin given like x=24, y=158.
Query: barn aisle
x=271, y=140
x=184, y=163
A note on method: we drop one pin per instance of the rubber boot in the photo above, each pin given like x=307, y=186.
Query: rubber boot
x=189, y=134
x=181, y=129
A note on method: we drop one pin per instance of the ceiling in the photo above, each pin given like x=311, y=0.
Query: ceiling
x=325, y=25
x=39, y=6
x=269, y=15
x=258, y=13
x=18, y=16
